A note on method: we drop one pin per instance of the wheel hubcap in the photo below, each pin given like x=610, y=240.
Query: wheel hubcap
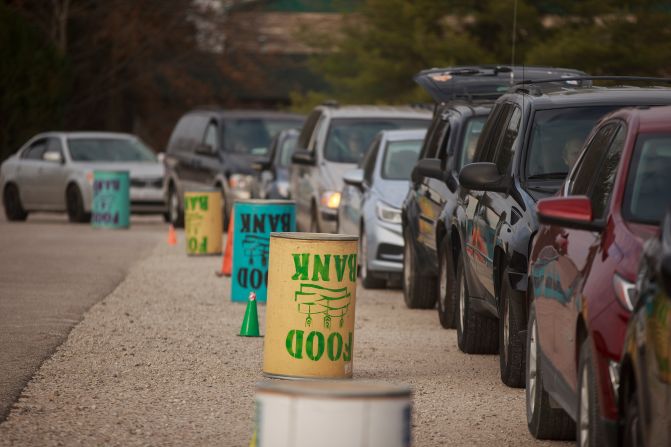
x=174, y=206
x=532, y=368
x=584, y=409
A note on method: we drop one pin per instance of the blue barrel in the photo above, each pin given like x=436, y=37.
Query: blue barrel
x=111, y=199
x=253, y=221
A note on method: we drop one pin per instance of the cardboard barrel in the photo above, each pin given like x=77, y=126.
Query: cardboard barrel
x=310, y=309
x=332, y=414
x=254, y=220
x=111, y=199
x=203, y=222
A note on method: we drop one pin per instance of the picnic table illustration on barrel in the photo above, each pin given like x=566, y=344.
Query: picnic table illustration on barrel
x=313, y=299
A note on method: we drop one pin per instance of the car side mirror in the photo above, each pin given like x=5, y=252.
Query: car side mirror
x=483, y=177
x=303, y=157
x=261, y=165
x=665, y=268
x=429, y=167
x=570, y=212
x=354, y=178
x=53, y=156
x=205, y=149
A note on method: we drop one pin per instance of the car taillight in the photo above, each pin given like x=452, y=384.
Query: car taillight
x=625, y=291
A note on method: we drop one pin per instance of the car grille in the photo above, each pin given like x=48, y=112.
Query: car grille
x=146, y=182
x=389, y=252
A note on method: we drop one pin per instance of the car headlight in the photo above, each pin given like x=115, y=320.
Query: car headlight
x=89, y=177
x=331, y=199
x=625, y=292
x=240, y=182
x=387, y=213
x=283, y=188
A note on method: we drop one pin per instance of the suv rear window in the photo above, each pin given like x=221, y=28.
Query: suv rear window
x=253, y=135
x=348, y=139
x=553, y=136
x=399, y=159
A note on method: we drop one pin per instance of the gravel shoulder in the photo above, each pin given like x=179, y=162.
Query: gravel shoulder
x=159, y=362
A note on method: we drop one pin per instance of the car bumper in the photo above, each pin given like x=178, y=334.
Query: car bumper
x=385, y=247
x=328, y=220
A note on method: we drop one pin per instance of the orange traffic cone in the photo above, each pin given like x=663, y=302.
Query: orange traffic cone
x=227, y=260
x=172, y=236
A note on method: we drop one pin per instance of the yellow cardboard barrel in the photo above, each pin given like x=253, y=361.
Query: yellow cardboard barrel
x=310, y=307
x=202, y=222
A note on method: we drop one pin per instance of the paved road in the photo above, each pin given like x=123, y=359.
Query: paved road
x=51, y=272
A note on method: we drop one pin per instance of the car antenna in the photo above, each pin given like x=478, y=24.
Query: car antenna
x=512, y=62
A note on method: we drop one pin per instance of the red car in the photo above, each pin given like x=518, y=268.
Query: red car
x=583, y=267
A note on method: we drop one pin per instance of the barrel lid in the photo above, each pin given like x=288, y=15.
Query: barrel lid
x=266, y=202
x=314, y=236
x=200, y=189
x=110, y=171
x=334, y=388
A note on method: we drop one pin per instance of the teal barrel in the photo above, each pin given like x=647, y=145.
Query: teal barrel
x=253, y=221
x=111, y=199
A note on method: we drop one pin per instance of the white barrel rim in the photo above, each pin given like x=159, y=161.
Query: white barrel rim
x=264, y=202
x=298, y=235
x=334, y=389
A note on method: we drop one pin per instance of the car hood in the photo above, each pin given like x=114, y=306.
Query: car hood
x=392, y=192
x=136, y=169
x=332, y=174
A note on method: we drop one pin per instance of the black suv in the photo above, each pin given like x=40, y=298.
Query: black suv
x=464, y=97
x=527, y=147
x=218, y=149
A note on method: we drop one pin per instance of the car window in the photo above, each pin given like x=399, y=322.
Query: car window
x=286, y=149
x=368, y=161
x=490, y=134
x=109, y=150
x=589, y=164
x=433, y=134
x=211, y=135
x=441, y=153
x=179, y=138
x=349, y=138
x=648, y=189
x=308, y=129
x=554, y=135
x=507, y=146
x=36, y=150
x=399, y=159
x=472, y=132
x=252, y=136
x=605, y=179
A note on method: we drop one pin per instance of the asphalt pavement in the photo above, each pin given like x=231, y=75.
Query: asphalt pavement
x=51, y=273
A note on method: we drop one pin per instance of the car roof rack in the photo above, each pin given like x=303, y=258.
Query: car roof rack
x=577, y=79
x=482, y=82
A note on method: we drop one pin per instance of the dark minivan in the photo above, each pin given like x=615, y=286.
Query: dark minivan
x=217, y=148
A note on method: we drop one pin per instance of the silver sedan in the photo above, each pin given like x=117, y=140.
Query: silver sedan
x=54, y=172
x=371, y=201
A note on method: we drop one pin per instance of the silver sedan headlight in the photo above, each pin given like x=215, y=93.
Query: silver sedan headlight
x=241, y=185
x=388, y=213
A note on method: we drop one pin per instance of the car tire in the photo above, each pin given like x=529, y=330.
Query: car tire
x=419, y=291
x=511, y=345
x=589, y=431
x=225, y=215
x=314, y=220
x=13, y=207
x=176, y=215
x=368, y=280
x=447, y=304
x=632, y=433
x=543, y=420
x=476, y=333
x=75, y=205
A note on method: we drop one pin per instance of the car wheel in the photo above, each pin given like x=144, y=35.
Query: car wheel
x=511, y=348
x=476, y=333
x=419, y=291
x=368, y=280
x=75, y=205
x=447, y=304
x=544, y=421
x=633, y=433
x=13, y=207
x=176, y=215
x=314, y=221
x=589, y=432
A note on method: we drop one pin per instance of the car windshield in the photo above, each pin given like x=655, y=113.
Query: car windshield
x=399, y=159
x=252, y=136
x=471, y=136
x=109, y=150
x=648, y=189
x=349, y=139
x=287, y=150
x=557, y=137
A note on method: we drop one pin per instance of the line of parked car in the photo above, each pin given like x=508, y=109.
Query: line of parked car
x=525, y=207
